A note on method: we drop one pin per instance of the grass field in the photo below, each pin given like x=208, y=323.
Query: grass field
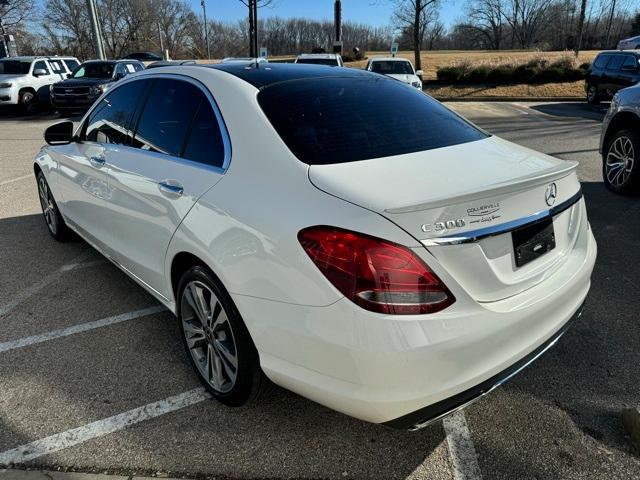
x=432, y=60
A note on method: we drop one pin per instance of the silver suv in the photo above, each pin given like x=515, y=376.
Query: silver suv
x=620, y=142
x=25, y=81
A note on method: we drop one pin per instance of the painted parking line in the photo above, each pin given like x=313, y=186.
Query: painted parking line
x=47, y=280
x=17, y=179
x=103, y=427
x=464, y=459
x=83, y=327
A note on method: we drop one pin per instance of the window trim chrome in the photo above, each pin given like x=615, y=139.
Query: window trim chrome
x=475, y=235
x=224, y=132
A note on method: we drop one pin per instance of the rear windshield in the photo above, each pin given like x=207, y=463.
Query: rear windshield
x=338, y=120
x=392, y=67
x=15, y=67
x=332, y=62
x=94, y=70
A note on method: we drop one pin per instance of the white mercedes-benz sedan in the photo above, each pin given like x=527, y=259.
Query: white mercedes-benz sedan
x=335, y=231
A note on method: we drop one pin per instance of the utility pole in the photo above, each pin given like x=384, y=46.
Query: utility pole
x=97, y=38
x=253, y=28
x=206, y=28
x=337, y=16
x=161, y=43
x=613, y=8
x=583, y=8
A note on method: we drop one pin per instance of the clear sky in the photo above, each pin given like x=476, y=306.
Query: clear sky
x=374, y=12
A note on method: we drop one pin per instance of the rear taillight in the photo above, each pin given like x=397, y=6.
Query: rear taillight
x=378, y=275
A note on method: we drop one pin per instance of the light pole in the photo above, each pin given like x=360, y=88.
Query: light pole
x=206, y=28
x=97, y=38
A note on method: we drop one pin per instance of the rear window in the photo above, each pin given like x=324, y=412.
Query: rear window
x=331, y=62
x=338, y=120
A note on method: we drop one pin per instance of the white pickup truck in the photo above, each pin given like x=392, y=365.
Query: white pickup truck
x=25, y=81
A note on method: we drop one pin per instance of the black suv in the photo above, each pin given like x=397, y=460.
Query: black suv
x=610, y=72
x=88, y=81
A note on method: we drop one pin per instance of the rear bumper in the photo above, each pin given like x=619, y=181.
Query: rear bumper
x=406, y=370
x=432, y=413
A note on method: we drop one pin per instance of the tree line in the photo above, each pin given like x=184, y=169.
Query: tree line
x=62, y=27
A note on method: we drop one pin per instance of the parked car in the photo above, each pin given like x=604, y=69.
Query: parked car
x=143, y=57
x=384, y=257
x=609, y=72
x=398, y=68
x=171, y=63
x=629, y=43
x=620, y=142
x=245, y=60
x=329, y=59
x=88, y=81
x=25, y=81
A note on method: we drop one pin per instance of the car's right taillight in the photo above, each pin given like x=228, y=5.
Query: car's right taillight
x=378, y=275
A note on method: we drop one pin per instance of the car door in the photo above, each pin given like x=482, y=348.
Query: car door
x=613, y=82
x=41, y=82
x=82, y=185
x=629, y=72
x=180, y=150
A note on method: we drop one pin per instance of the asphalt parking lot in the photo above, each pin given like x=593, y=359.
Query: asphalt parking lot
x=93, y=377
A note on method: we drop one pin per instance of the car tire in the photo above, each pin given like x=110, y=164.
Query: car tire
x=55, y=223
x=621, y=163
x=593, y=95
x=217, y=341
x=28, y=101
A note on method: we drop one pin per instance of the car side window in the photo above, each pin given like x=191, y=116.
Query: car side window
x=205, y=144
x=41, y=65
x=601, y=61
x=630, y=61
x=166, y=118
x=71, y=64
x=120, y=71
x=110, y=121
x=56, y=66
x=616, y=62
x=137, y=67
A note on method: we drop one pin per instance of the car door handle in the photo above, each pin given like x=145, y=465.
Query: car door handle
x=171, y=188
x=97, y=162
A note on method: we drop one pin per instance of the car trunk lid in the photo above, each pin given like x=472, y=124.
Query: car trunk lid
x=462, y=202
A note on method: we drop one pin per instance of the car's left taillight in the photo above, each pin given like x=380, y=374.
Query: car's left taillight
x=378, y=275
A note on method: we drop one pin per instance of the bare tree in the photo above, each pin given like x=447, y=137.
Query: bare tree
x=527, y=19
x=414, y=15
x=14, y=12
x=486, y=17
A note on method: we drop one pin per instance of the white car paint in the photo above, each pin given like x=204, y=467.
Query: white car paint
x=242, y=221
x=12, y=85
x=330, y=59
x=629, y=43
x=414, y=78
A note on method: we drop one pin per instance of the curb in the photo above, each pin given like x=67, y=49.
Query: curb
x=9, y=474
x=509, y=99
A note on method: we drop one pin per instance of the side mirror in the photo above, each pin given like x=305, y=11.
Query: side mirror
x=119, y=76
x=60, y=133
x=69, y=75
x=38, y=72
x=419, y=73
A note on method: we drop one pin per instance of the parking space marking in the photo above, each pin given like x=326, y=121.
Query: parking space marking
x=83, y=327
x=20, y=297
x=103, y=427
x=464, y=459
x=24, y=177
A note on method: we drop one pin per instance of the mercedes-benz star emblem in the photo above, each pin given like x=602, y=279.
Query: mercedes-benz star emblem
x=551, y=194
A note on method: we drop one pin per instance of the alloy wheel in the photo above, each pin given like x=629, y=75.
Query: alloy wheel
x=48, y=205
x=209, y=336
x=619, y=162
